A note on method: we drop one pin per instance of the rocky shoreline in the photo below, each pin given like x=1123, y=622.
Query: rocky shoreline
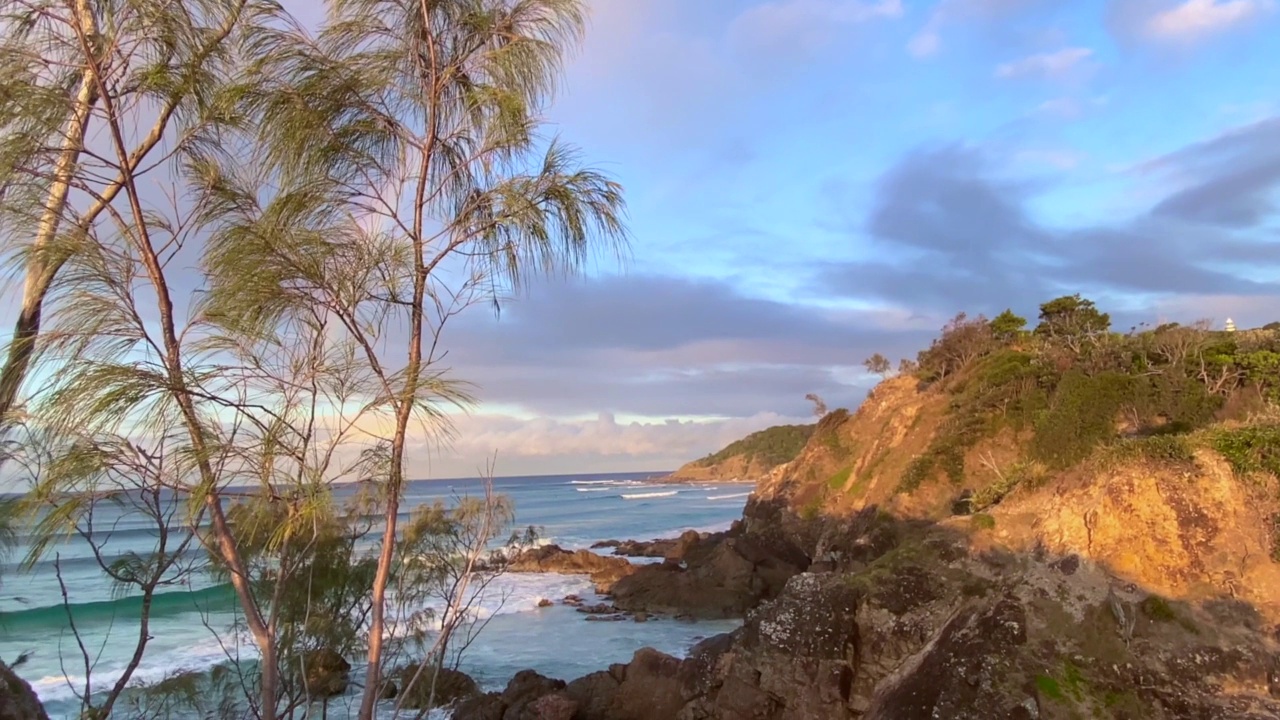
x=878, y=618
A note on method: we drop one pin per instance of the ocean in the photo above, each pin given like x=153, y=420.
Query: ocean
x=572, y=511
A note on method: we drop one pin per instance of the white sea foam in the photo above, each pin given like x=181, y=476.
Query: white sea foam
x=594, y=489
x=734, y=496
x=641, y=496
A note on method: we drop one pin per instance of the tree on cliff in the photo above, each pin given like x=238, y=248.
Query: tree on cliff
x=1007, y=327
x=878, y=364
x=1073, y=321
x=819, y=405
x=962, y=340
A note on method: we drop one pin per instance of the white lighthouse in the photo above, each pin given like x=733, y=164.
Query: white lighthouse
x=1230, y=325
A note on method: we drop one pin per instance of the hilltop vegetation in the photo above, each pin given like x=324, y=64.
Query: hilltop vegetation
x=772, y=446
x=1072, y=385
x=751, y=457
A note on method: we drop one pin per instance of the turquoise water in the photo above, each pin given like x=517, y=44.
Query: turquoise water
x=189, y=622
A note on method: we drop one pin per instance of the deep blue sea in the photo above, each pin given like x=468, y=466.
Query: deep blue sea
x=572, y=511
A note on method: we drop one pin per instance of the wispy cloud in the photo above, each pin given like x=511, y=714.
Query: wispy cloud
x=927, y=41
x=804, y=25
x=1052, y=65
x=1197, y=19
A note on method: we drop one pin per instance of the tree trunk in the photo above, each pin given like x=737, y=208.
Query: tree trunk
x=44, y=259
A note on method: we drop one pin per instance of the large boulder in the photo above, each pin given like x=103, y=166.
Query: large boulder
x=794, y=657
x=965, y=673
x=325, y=673
x=667, y=548
x=521, y=700
x=17, y=700
x=604, y=571
x=450, y=687
x=722, y=577
x=650, y=688
x=594, y=694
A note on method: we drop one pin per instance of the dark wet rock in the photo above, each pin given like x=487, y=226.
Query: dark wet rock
x=1067, y=565
x=517, y=702
x=721, y=577
x=450, y=687
x=326, y=673
x=594, y=693
x=650, y=690
x=604, y=571
x=556, y=706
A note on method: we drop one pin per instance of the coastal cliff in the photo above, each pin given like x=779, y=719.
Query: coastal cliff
x=747, y=459
x=1030, y=528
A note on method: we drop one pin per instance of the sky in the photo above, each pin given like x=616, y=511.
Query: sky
x=813, y=181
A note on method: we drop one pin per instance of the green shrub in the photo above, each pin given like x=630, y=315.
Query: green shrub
x=1171, y=449
x=1081, y=417
x=996, y=491
x=1250, y=449
x=916, y=473
x=982, y=521
x=1275, y=537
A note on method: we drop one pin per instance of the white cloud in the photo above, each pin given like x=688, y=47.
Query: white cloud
x=547, y=445
x=1064, y=107
x=1045, y=65
x=924, y=43
x=1196, y=19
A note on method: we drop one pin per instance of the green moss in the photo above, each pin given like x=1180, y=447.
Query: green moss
x=1157, y=609
x=839, y=478
x=975, y=587
x=982, y=521
x=1050, y=688
x=774, y=446
x=811, y=509
x=1067, y=684
x=1073, y=681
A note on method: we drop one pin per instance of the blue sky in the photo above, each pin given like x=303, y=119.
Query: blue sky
x=812, y=181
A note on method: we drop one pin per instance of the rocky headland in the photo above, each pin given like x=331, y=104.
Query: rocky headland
x=1028, y=533
x=746, y=460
